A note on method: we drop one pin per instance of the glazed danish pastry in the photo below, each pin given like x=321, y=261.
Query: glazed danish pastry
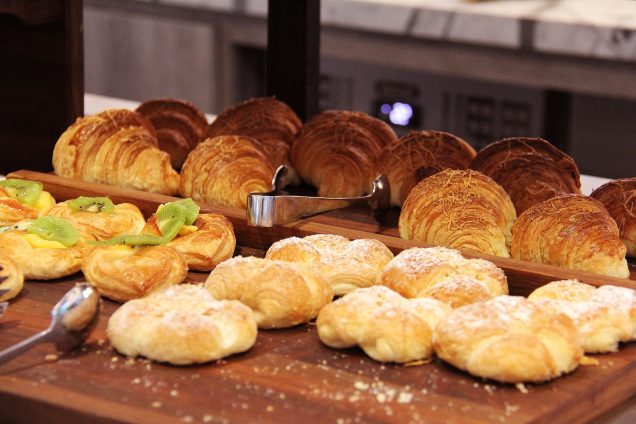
x=21, y=199
x=182, y=325
x=619, y=198
x=11, y=278
x=388, y=327
x=346, y=265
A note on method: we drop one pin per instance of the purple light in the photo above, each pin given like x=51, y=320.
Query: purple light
x=401, y=113
x=385, y=108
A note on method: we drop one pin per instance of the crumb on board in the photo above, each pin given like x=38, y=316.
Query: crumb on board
x=522, y=388
x=51, y=357
x=418, y=362
x=588, y=360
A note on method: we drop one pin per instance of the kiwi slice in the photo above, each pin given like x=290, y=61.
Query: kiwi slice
x=192, y=210
x=91, y=204
x=135, y=240
x=56, y=229
x=170, y=218
x=23, y=191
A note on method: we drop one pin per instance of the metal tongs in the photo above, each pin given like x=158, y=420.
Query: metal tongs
x=273, y=208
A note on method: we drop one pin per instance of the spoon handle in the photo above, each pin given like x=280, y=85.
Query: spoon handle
x=15, y=350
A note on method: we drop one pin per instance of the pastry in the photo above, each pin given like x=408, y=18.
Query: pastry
x=346, y=265
x=22, y=199
x=619, y=198
x=462, y=209
x=122, y=272
x=604, y=316
x=11, y=278
x=115, y=147
x=281, y=294
x=388, y=327
x=444, y=274
x=179, y=124
x=337, y=152
x=571, y=231
x=182, y=325
x=531, y=170
x=418, y=155
x=509, y=339
x=225, y=169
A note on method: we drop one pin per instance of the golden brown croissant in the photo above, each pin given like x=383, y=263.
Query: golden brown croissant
x=225, y=169
x=182, y=325
x=338, y=151
x=347, y=265
x=179, y=124
x=114, y=147
x=418, y=155
x=509, y=339
x=444, y=274
x=388, y=327
x=123, y=273
x=13, y=211
x=281, y=294
x=619, y=198
x=531, y=170
x=11, y=278
x=462, y=209
x=571, y=231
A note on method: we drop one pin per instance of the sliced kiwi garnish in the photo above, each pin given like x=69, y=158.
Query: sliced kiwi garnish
x=170, y=218
x=23, y=191
x=91, y=204
x=56, y=229
x=134, y=240
x=192, y=210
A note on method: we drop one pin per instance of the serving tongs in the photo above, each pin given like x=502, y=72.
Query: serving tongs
x=274, y=208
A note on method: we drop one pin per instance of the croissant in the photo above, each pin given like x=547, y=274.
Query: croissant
x=418, y=155
x=281, y=294
x=619, y=198
x=179, y=124
x=338, y=151
x=531, y=170
x=462, y=209
x=11, y=278
x=114, y=147
x=509, y=339
x=224, y=170
x=571, y=231
x=267, y=120
x=388, y=327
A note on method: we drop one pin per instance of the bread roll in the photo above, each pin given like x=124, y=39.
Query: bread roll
x=509, y=339
x=388, y=327
x=182, y=325
x=337, y=152
x=346, y=265
x=462, y=209
x=418, y=155
x=443, y=274
x=225, y=169
x=281, y=294
x=571, y=231
x=619, y=198
x=11, y=278
x=531, y=170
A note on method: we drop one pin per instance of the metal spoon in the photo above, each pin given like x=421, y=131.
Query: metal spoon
x=72, y=320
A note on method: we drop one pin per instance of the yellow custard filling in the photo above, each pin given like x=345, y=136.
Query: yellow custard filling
x=40, y=243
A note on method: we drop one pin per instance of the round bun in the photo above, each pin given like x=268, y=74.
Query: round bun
x=11, y=278
x=619, y=198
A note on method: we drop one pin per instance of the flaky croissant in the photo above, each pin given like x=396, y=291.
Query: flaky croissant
x=418, y=155
x=462, y=209
x=338, y=151
x=11, y=278
x=115, y=147
x=531, y=170
x=619, y=198
x=571, y=231
x=225, y=169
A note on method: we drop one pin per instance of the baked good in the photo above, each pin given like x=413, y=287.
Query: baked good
x=619, y=198
x=531, y=170
x=182, y=325
x=179, y=124
x=462, y=209
x=269, y=121
x=225, y=169
x=14, y=207
x=281, y=294
x=337, y=152
x=11, y=278
x=346, y=265
x=122, y=272
x=420, y=154
x=509, y=339
x=443, y=274
x=603, y=316
x=115, y=147
x=571, y=231
x=388, y=327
